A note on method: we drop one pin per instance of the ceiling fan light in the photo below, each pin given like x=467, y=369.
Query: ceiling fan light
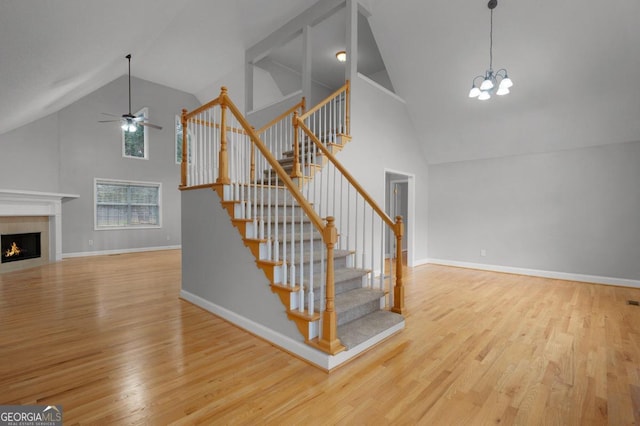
x=484, y=95
x=474, y=92
x=124, y=125
x=132, y=127
x=487, y=84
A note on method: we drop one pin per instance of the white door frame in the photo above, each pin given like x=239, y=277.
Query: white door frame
x=411, y=209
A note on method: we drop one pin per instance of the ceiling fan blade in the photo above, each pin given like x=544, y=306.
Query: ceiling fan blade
x=112, y=115
x=108, y=121
x=155, y=126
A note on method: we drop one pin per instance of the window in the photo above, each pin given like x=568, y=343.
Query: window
x=120, y=204
x=135, y=144
x=179, y=141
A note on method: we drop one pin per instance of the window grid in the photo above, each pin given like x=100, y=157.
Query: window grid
x=127, y=205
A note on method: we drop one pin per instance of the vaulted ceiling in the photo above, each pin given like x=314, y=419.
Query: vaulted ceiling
x=575, y=63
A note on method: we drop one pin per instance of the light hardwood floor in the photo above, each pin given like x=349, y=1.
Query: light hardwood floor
x=108, y=338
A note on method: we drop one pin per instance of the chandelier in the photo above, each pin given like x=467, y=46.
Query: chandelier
x=491, y=79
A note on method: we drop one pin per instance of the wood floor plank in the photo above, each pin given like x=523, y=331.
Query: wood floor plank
x=109, y=339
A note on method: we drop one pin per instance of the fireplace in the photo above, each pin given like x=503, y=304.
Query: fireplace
x=15, y=247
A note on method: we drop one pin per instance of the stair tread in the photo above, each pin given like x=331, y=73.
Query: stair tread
x=364, y=328
x=339, y=275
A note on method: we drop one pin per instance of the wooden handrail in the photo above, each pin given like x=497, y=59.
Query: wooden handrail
x=329, y=340
x=204, y=107
x=344, y=88
x=300, y=105
x=397, y=226
x=346, y=174
x=293, y=188
x=216, y=126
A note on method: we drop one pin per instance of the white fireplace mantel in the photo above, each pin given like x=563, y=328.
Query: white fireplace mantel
x=31, y=203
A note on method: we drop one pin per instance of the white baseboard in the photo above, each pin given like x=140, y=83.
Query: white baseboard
x=118, y=251
x=418, y=262
x=297, y=348
x=593, y=279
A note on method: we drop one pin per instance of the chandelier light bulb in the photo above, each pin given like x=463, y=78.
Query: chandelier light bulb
x=487, y=84
x=502, y=91
x=474, y=92
x=506, y=82
x=484, y=95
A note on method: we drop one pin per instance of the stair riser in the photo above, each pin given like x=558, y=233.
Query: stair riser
x=340, y=287
x=359, y=311
x=280, y=193
x=253, y=230
x=339, y=262
x=305, y=170
x=317, y=246
x=266, y=211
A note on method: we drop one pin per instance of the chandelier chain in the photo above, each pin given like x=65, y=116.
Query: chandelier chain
x=491, y=43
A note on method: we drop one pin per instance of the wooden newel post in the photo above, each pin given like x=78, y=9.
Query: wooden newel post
x=398, y=290
x=223, y=174
x=329, y=340
x=185, y=148
x=295, y=171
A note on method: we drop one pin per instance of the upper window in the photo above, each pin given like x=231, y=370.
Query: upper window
x=135, y=143
x=121, y=204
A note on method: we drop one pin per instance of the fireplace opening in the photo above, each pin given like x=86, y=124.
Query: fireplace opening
x=20, y=246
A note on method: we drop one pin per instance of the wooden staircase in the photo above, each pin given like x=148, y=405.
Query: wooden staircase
x=360, y=310
x=324, y=259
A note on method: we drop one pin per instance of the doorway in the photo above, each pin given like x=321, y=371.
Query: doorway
x=399, y=202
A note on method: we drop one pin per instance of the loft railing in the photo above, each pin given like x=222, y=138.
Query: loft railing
x=221, y=147
x=362, y=225
x=331, y=118
x=278, y=133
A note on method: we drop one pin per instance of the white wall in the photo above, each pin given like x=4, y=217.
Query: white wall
x=384, y=140
x=572, y=211
x=30, y=155
x=70, y=148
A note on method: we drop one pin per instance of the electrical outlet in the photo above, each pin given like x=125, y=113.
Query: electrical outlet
x=483, y=252
x=168, y=237
x=90, y=243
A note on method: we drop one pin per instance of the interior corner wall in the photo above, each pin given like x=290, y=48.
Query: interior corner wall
x=384, y=139
x=574, y=211
x=29, y=159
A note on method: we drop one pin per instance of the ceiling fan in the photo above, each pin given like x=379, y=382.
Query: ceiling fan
x=128, y=121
